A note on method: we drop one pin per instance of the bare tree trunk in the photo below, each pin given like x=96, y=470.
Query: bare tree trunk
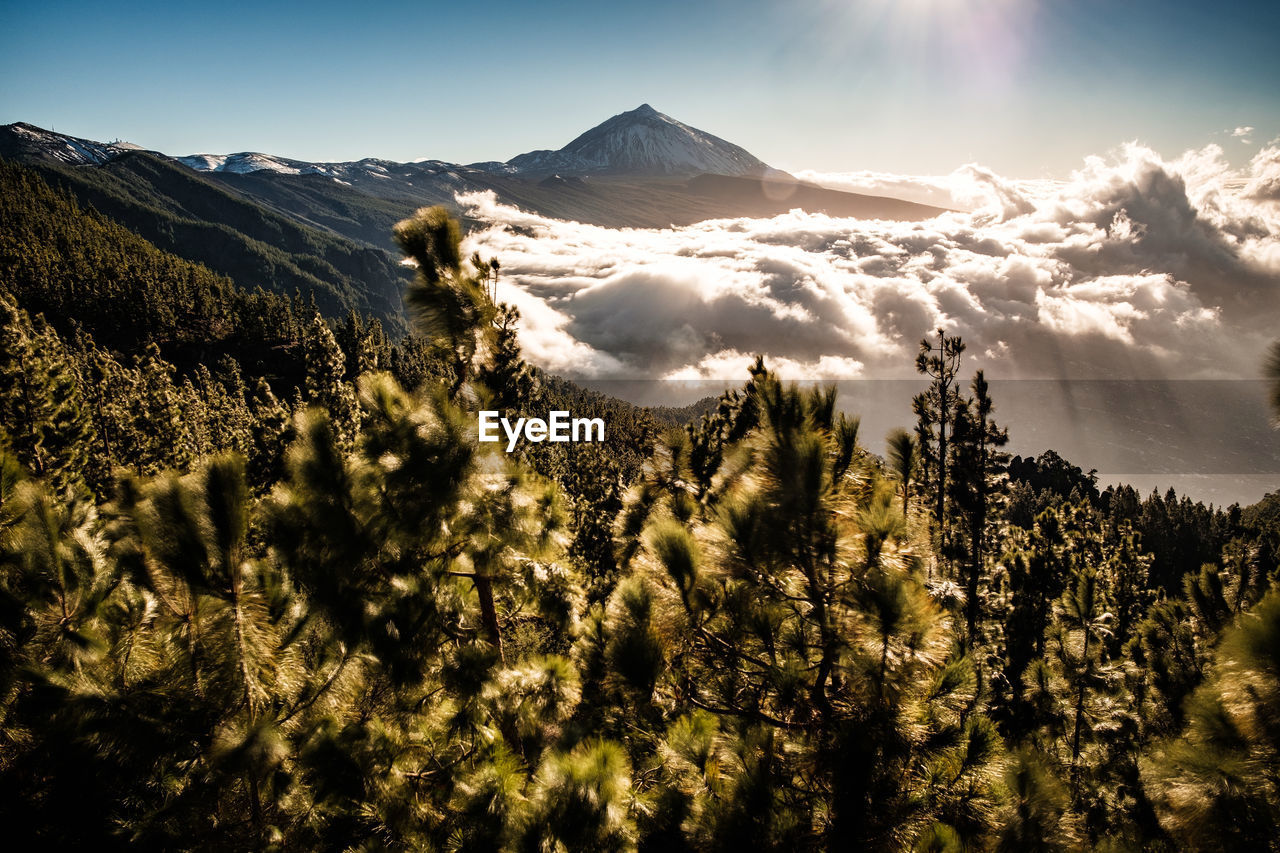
x=1075, y=736
x=489, y=612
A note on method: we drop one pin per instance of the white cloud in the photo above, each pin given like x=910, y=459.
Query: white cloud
x=1136, y=266
x=968, y=188
x=1242, y=133
x=1264, y=174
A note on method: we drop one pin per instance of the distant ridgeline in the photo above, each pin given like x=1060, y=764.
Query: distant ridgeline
x=638, y=169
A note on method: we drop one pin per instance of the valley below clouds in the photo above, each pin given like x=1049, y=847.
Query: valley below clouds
x=1136, y=269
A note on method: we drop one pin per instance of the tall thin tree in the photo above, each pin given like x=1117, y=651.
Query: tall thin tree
x=936, y=409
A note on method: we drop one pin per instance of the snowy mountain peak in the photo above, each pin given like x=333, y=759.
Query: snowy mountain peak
x=642, y=141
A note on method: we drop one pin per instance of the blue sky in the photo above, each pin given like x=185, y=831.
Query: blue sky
x=1027, y=87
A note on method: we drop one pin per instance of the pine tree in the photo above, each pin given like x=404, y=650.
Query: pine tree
x=505, y=374
x=935, y=411
x=976, y=480
x=579, y=802
x=159, y=434
x=269, y=432
x=902, y=463
x=1172, y=660
x=452, y=307
x=43, y=418
x=1126, y=572
x=1084, y=628
x=1036, y=567
x=1215, y=786
x=326, y=383
x=189, y=542
x=1039, y=821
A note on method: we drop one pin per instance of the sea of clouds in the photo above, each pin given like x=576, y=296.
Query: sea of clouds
x=1135, y=267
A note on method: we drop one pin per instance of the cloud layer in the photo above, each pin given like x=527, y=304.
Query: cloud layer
x=1137, y=267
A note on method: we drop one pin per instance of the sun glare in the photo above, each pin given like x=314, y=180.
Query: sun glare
x=983, y=42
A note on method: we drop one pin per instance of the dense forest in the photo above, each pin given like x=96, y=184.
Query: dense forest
x=261, y=588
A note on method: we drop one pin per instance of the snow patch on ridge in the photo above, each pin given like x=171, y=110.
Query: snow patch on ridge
x=69, y=149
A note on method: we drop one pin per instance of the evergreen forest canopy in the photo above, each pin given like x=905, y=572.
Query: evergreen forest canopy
x=260, y=588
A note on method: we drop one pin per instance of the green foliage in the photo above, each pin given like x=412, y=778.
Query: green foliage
x=634, y=653
x=42, y=412
x=579, y=801
x=903, y=462
x=799, y=619
x=1038, y=821
x=451, y=306
x=326, y=385
x=1215, y=786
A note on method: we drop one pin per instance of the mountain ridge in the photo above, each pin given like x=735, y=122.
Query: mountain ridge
x=361, y=200
x=638, y=143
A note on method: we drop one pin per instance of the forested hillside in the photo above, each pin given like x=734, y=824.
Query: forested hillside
x=186, y=214
x=261, y=588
